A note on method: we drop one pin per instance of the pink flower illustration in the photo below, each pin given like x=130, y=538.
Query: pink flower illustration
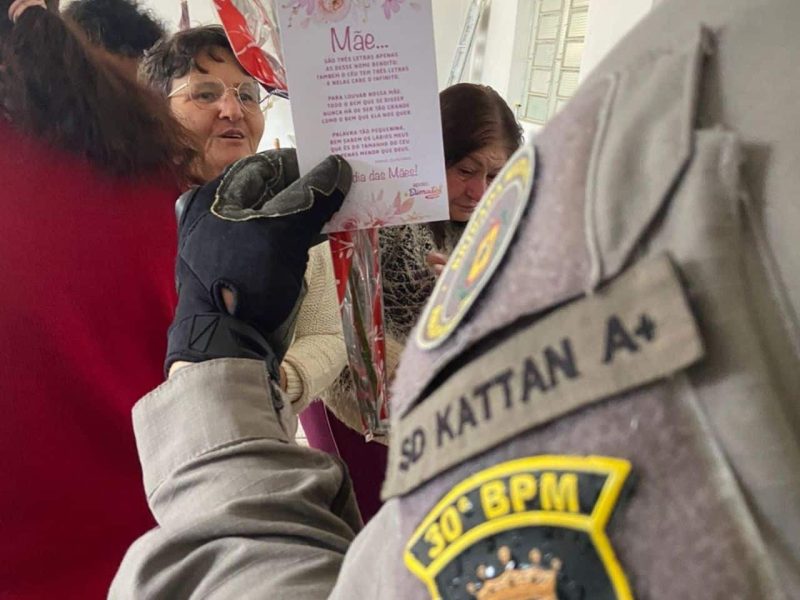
x=402, y=206
x=307, y=4
x=331, y=11
x=350, y=224
x=391, y=6
x=371, y=211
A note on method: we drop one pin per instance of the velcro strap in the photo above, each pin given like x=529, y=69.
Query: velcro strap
x=214, y=335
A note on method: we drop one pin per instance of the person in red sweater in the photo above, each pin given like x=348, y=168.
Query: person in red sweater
x=91, y=164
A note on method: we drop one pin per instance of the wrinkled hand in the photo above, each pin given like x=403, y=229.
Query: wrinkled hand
x=243, y=245
x=436, y=261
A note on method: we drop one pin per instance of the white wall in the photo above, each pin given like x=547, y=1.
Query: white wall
x=499, y=45
x=506, y=51
x=608, y=22
x=448, y=19
x=201, y=12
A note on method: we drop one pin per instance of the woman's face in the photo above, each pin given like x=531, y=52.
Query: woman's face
x=468, y=179
x=225, y=130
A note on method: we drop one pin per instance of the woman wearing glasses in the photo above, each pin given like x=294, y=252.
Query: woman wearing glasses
x=224, y=108
x=209, y=93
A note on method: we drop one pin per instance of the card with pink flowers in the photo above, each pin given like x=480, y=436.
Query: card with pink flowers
x=362, y=83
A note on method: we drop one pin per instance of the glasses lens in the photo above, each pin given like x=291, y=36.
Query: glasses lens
x=206, y=92
x=250, y=95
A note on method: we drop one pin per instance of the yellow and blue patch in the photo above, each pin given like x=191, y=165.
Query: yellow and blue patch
x=480, y=250
x=528, y=528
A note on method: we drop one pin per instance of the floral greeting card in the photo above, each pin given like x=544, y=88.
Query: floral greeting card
x=362, y=83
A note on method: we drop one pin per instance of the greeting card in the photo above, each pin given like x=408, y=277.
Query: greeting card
x=362, y=81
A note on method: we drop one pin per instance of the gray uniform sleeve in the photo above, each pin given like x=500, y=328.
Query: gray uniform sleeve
x=242, y=511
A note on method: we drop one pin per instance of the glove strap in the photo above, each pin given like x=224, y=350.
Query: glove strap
x=214, y=335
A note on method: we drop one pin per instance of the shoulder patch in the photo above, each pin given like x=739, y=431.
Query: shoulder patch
x=480, y=250
x=636, y=330
x=528, y=528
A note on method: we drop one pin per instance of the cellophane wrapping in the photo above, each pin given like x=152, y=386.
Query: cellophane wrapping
x=356, y=263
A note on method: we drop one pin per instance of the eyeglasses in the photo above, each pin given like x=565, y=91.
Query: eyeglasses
x=207, y=92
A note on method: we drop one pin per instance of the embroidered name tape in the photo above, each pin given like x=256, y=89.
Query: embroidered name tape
x=634, y=331
x=528, y=528
x=479, y=251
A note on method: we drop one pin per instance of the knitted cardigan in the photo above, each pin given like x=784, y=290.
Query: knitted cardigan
x=317, y=354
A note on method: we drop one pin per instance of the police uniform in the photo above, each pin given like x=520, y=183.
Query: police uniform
x=602, y=398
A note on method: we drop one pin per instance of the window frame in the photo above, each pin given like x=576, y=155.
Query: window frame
x=528, y=42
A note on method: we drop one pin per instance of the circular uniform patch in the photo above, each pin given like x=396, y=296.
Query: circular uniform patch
x=527, y=529
x=480, y=250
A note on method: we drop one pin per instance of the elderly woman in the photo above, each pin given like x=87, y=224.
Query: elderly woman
x=223, y=107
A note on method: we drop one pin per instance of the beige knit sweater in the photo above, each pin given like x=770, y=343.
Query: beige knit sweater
x=317, y=354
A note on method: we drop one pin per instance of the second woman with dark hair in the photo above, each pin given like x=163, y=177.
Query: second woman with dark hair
x=480, y=133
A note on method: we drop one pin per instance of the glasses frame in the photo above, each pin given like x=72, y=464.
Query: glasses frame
x=263, y=105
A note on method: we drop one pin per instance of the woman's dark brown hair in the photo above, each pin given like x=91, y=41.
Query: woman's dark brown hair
x=57, y=88
x=474, y=116
x=174, y=56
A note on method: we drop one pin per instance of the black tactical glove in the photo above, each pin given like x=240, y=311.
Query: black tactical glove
x=249, y=231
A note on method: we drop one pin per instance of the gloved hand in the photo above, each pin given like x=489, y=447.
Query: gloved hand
x=249, y=231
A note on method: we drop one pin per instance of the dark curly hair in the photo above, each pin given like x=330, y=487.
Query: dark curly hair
x=57, y=88
x=119, y=26
x=175, y=56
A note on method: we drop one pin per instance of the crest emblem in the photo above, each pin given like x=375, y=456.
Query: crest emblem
x=528, y=529
x=480, y=250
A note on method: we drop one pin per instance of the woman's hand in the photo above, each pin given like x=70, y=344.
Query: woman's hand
x=436, y=261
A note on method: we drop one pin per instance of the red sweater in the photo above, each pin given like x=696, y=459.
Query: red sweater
x=86, y=265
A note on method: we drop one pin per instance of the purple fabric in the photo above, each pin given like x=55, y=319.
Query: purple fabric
x=366, y=461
